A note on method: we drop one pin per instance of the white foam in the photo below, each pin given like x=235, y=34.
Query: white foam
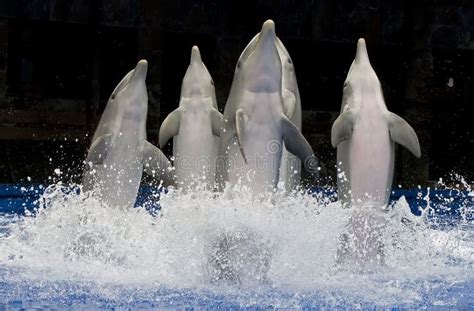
x=74, y=237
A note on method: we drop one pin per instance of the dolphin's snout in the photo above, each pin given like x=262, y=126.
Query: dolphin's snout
x=361, y=55
x=268, y=27
x=268, y=35
x=195, y=55
x=140, y=70
x=136, y=93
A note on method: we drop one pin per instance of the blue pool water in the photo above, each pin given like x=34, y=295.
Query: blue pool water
x=60, y=249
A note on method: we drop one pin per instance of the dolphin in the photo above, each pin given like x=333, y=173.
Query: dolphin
x=120, y=151
x=365, y=133
x=255, y=126
x=195, y=126
x=290, y=166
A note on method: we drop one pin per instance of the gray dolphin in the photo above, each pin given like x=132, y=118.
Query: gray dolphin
x=365, y=134
x=290, y=166
x=195, y=125
x=255, y=125
x=119, y=151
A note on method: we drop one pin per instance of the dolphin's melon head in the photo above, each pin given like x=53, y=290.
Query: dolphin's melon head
x=361, y=67
x=261, y=70
x=361, y=77
x=197, y=81
x=133, y=94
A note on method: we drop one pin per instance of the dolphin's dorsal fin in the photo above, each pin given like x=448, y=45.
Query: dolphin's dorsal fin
x=155, y=163
x=401, y=132
x=169, y=127
x=216, y=122
x=342, y=128
x=298, y=145
x=289, y=103
x=240, y=122
x=99, y=148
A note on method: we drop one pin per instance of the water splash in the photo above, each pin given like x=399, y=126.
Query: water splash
x=279, y=251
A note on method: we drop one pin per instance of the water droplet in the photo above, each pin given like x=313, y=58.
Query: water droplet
x=450, y=82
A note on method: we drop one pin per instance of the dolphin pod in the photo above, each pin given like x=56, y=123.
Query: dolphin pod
x=264, y=99
x=256, y=142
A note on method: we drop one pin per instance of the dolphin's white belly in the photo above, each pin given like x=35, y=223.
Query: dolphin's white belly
x=368, y=158
x=195, y=150
x=262, y=142
x=120, y=175
x=260, y=172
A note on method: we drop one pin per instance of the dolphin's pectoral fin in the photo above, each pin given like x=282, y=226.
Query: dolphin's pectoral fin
x=342, y=128
x=402, y=133
x=216, y=120
x=155, y=163
x=240, y=121
x=289, y=103
x=298, y=145
x=169, y=127
x=99, y=148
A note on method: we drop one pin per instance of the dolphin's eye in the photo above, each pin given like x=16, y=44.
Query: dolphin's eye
x=289, y=61
x=238, y=64
x=212, y=82
x=113, y=96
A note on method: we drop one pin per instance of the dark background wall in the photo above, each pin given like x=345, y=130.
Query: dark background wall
x=60, y=60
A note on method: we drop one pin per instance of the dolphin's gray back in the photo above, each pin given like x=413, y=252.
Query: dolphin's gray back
x=109, y=117
x=115, y=159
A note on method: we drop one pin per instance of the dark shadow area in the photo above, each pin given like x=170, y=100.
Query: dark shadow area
x=60, y=61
